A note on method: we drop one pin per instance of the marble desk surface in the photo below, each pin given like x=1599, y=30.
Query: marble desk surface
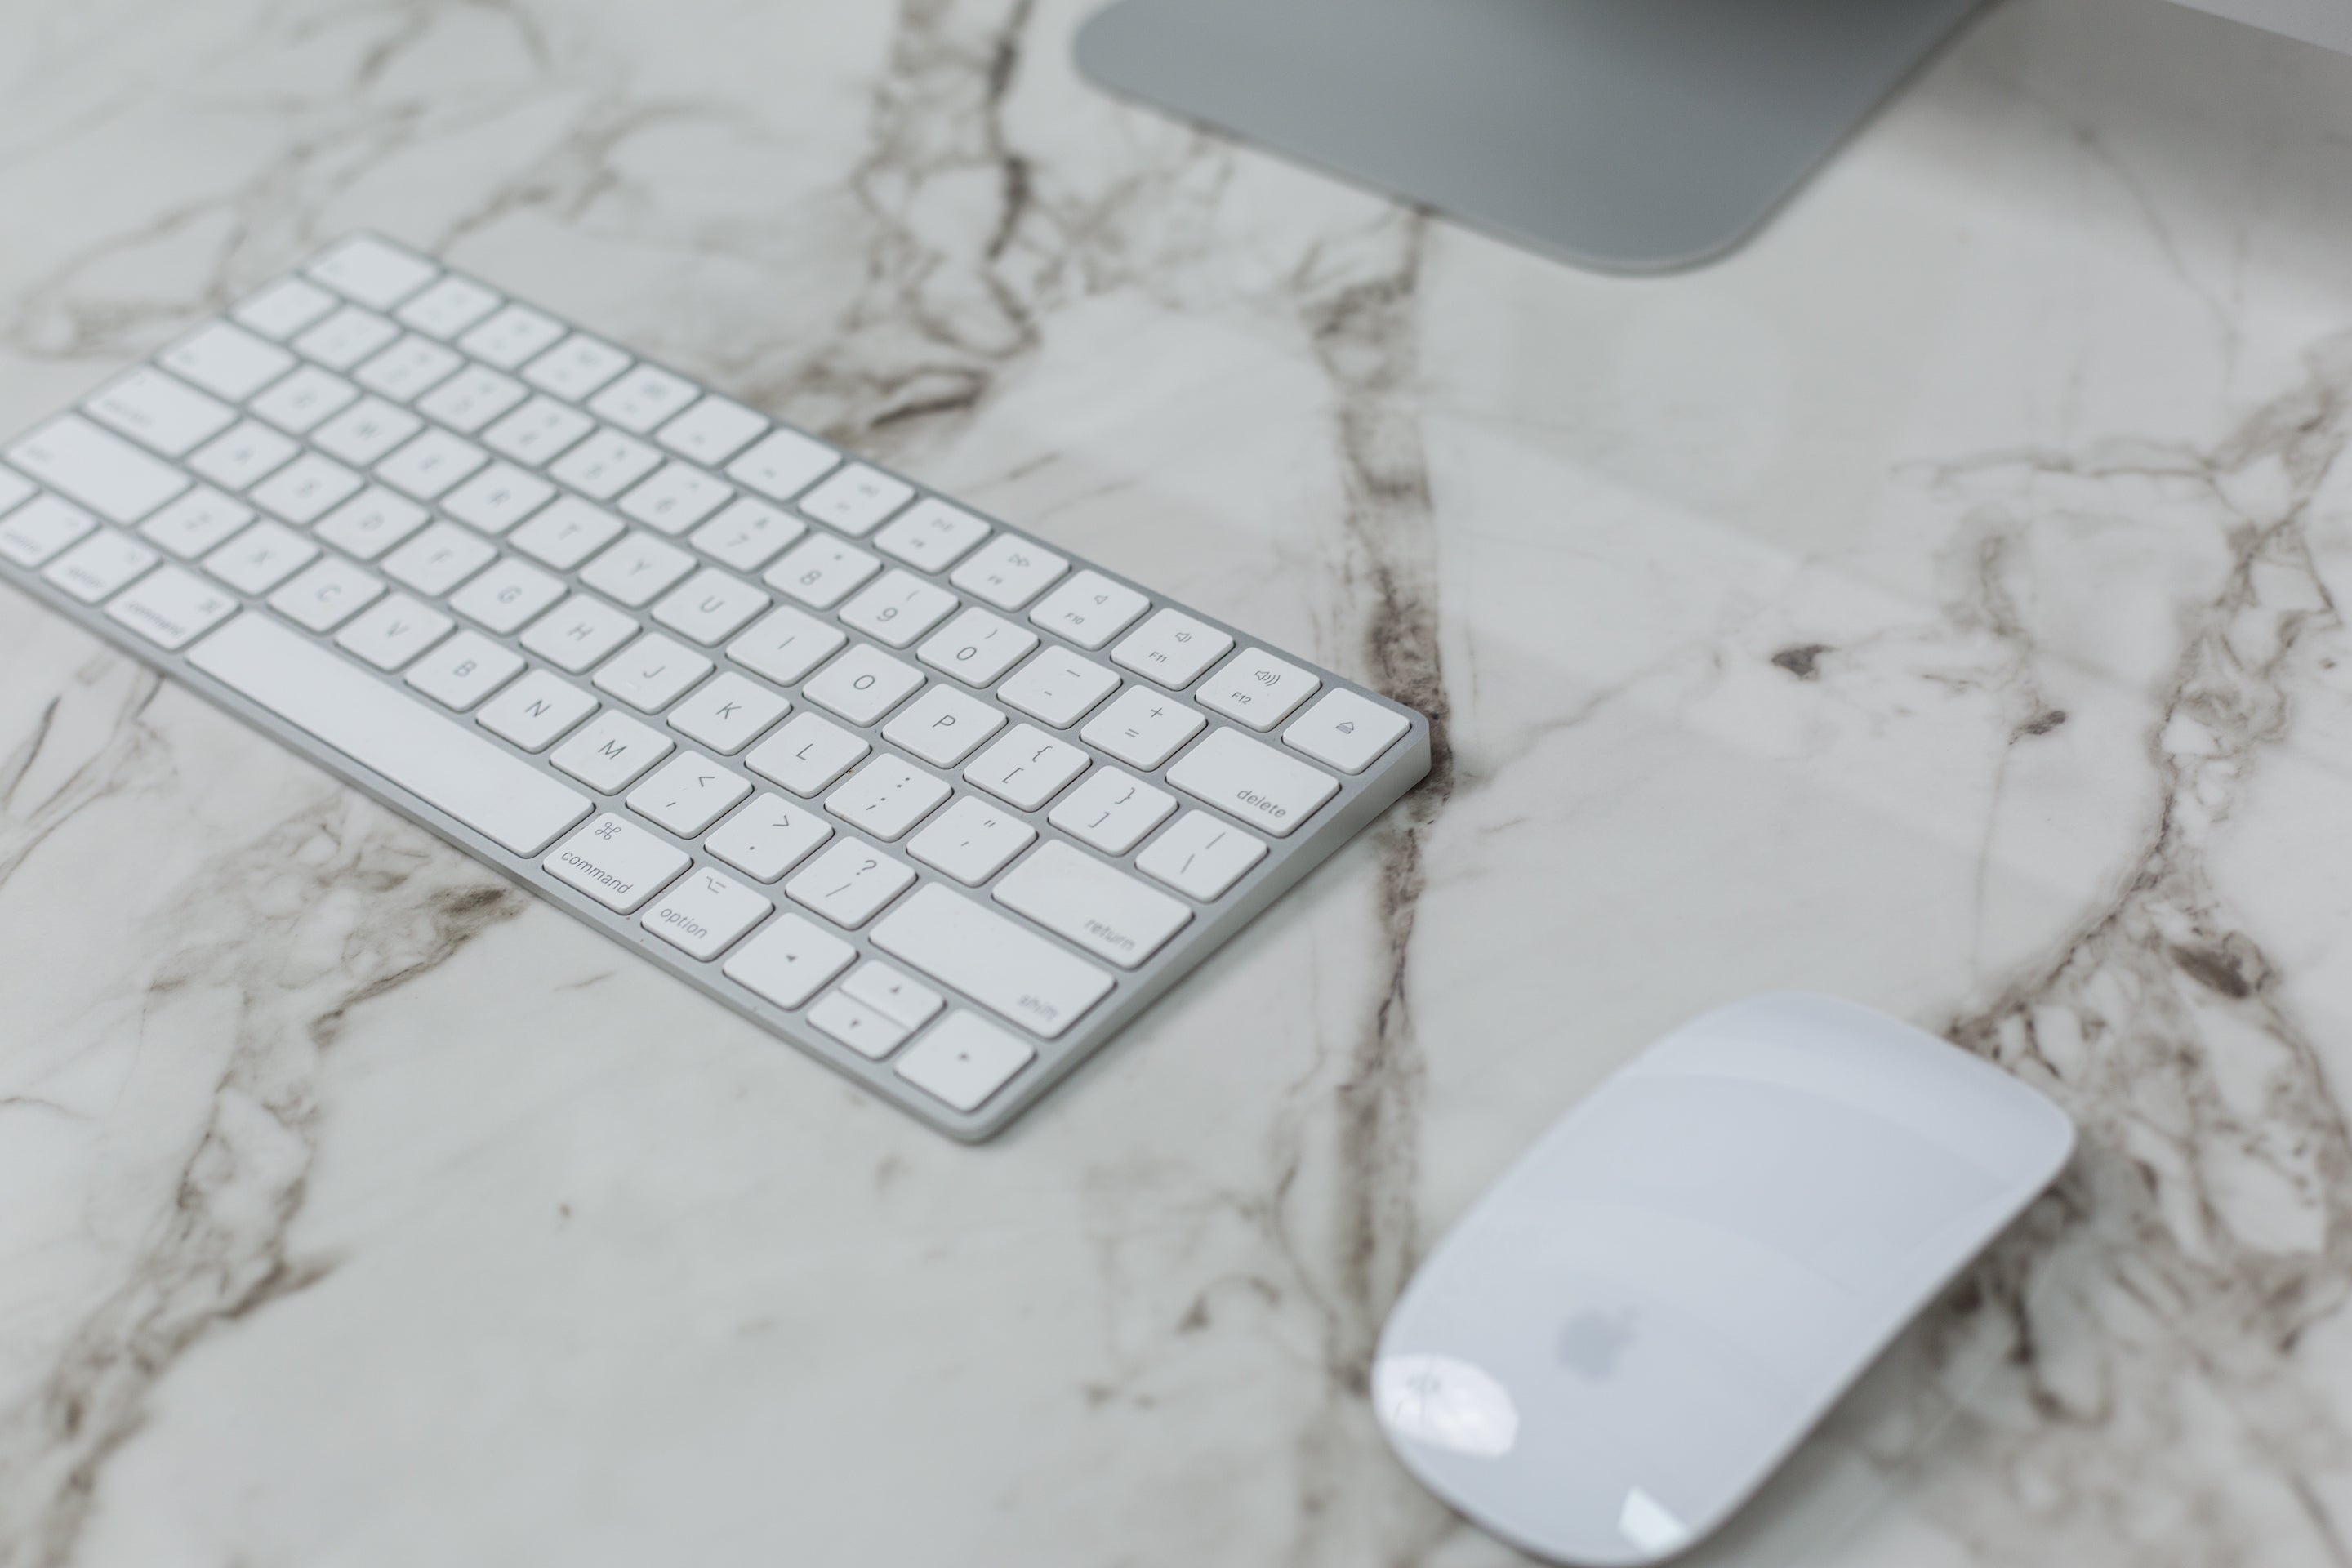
x=1936, y=604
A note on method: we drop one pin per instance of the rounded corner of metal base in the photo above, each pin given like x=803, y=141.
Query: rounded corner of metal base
x=1599, y=133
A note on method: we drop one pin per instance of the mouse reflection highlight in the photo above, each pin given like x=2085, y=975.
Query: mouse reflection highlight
x=1446, y=1403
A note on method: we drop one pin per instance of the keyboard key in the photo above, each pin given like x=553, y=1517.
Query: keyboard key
x=606, y=464
x=977, y=648
x=964, y=1061
x=260, y=558
x=1104, y=912
x=1112, y=811
x=167, y=416
x=326, y=596
x=1090, y=609
x=714, y=430
x=365, y=432
x=849, y=883
x=408, y=369
x=855, y=500
x=904, y=1001
x=784, y=645
x=447, y=307
x=642, y=399
x=886, y=797
x=709, y=607
x=806, y=755
x=170, y=608
x=789, y=961
x=1008, y=572
x=576, y=367
x=1257, y=688
x=704, y=913
x=783, y=466
x=101, y=565
x=371, y=522
x=897, y=607
x=1057, y=687
x=1250, y=780
x=242, y=457
x=14, y=491
x=513, y=335
x=227, y=361
x=1027, y=767
x=40, y=528
x=566, y=532
x=505, y=596
x=726, y=713
x=747, y=535
x=284, y=309
x=768, y=837
x=439, y=558
x=862, y=685
x=394, y=632
x=617, y=863
x=578, y=633
x=820, y=572
x=302, y=401
x=498, y=795
x=497, y=498
x=944, y=726
x=431, y=464
x=611, y=752
x=102, y=471
x=677, y=497
x=1142, y=728
x=195, y=523
x=471, y=399
x=464, y=671
x=1201, y=856
x=860, y=1028
x=1172, y=648
x=972, y=840
x=306, y=488
x=538, y=432
x=536, y=710
x=1030, y=979
x=688, y=793
x=1346, y=731
x=932, y=536
x=637, y=568
x=345, y=338
x=652, y=672
x=367, y=269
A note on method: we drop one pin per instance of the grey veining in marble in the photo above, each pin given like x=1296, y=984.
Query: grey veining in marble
x=1936, y=604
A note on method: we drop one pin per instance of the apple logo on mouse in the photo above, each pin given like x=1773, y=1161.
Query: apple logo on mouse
x=1591, y=1341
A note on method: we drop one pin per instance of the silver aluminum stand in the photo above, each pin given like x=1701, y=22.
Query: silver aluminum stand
x=1634, y=135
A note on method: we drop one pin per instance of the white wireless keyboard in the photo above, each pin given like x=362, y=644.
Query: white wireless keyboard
x=940, y=806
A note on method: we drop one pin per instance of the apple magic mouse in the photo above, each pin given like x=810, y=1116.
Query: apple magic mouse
x=1619, y=1342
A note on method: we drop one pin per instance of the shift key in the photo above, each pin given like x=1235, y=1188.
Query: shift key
x=104, y=472
x=1036, y=983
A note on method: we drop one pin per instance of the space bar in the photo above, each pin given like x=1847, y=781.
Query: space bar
x=501, y=797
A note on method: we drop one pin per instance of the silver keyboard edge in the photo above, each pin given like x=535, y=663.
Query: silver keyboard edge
x=1363, y=799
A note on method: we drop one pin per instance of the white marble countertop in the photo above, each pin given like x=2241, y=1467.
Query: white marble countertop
x=1936, y=604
